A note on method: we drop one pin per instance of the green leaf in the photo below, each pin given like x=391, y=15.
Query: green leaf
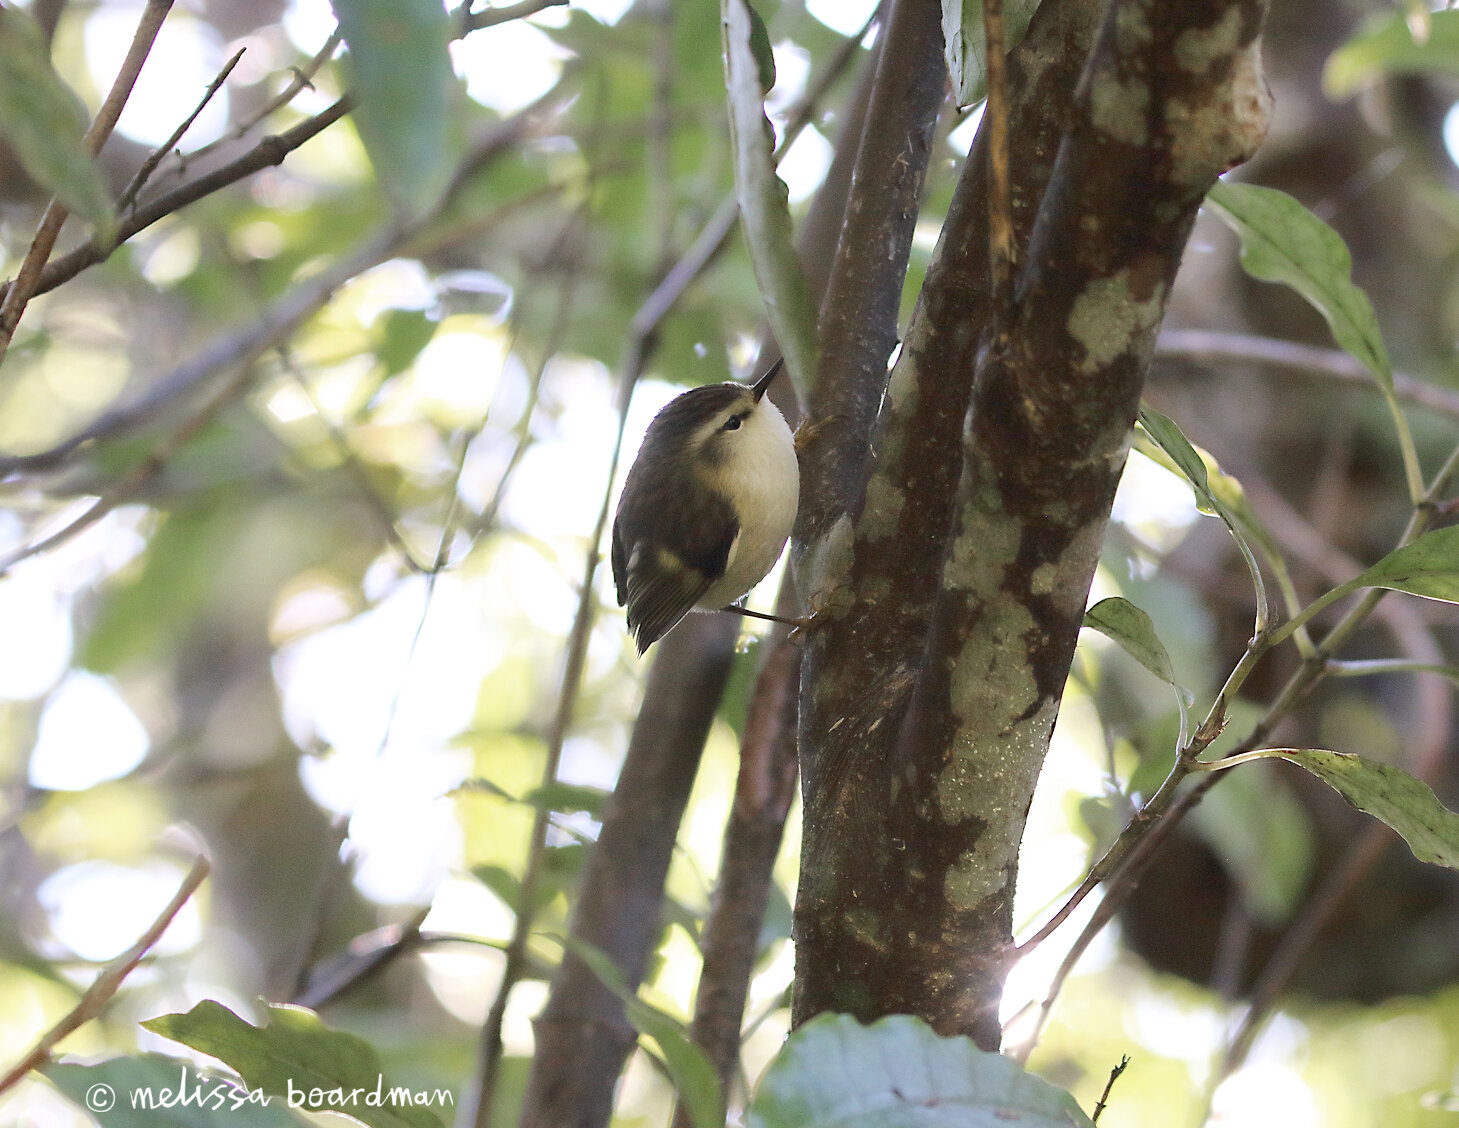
x=567, y=797
x=152, y=1091
x=1122, y=622
x=400, y=70
x=898, y=1073
x=1132, y=630
x=1387, y=46
x=297, y=1057
x=1281, y=241
x=964, y=46
x=1186, y=461
x=1428, y=567
x=694, y=1078
x=44, y=122
x=1406, y=804
x=764, y=207
x=403, y=333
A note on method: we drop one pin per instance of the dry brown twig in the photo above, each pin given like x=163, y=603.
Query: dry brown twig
x=105, y=985
x=21, y=290
x=155, y=158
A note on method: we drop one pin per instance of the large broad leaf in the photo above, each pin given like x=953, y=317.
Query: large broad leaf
x=300, y=1059
x=1281, y=241
x=898, y=1073
x=694, y=1078
x=400, y=70
x=1406, y=804
x=964, y=47
x=1388, y=46
x=1428, y=567
x=152, y=1091
x=44, y=122
x=764, y=207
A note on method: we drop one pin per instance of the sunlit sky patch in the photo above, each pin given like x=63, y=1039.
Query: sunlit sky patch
x=186, y=57
x=87, y=734
x=98, y=909
x=845, y=16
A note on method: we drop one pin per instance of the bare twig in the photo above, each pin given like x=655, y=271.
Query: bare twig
x=302, y=78
x=106, y=984
x=1208, y=347
x=287, y=314
x=365, y=958
x=1114, y=1075
x=269, y=151
x=156, y=460
x=21, y=290
x=155, y=158
x=490, y=17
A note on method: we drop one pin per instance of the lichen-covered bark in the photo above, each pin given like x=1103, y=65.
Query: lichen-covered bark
x=957, y=592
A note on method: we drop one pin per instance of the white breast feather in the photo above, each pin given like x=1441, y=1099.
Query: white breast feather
x=763, y=481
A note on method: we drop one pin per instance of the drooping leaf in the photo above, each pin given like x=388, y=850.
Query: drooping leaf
x=1132, y=630
x=1125, y=624
x=1387, y=46
x=44, y=122
x=152, y=1091
x=694, y=1078
x=299, y=1058
x=1406, y=804
x=898, y=1073
x=1428, y=567
x=764, y=206
x=400, y=70
x=1281, y=241
x=1185, y=460
x=964, y=46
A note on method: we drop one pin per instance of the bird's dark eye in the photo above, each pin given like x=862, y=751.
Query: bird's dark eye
x=733, y=423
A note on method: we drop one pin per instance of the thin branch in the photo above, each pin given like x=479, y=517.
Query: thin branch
x=1121, y=866
x=19, y=293
x=366, y=957
x=156, y=460
x=1208, y=347
x=269, y=151
x=106, y=984
x=764, y=791
x=155, y=158
x=576, y=659
x=1000, y=189
x=302, y=78
x=491, y=17
x=288, y=313
x=1114, y=1075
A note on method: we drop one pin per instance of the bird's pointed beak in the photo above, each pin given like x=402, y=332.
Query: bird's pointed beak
x=762, y=385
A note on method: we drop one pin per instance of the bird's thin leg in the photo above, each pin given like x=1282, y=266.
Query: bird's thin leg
x=800, y=624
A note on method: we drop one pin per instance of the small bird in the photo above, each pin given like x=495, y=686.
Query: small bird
x=707, y=507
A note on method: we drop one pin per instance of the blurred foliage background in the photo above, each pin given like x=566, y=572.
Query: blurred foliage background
x=346, y=450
